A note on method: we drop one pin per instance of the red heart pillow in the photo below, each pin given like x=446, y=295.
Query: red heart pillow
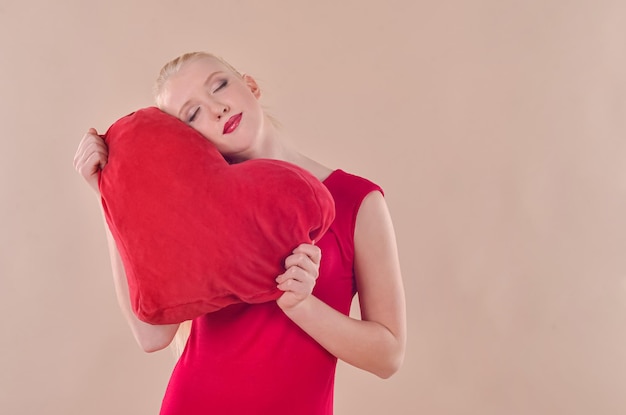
x=195, y=233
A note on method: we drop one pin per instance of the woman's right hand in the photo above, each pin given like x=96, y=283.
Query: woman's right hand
x=91, y=157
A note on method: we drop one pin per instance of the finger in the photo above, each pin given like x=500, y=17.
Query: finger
x=312, y=251
x=287, y=285
x=91, y=165
x=91, y=144
x=87, y=140
x=90, y=162
x=293, y=273
x=302, y=262
x=297, y=287
x=298, y=274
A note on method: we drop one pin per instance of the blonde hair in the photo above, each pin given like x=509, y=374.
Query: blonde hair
x=173, y=67
x=181, y=337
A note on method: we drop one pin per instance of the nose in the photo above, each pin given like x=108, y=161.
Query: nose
x=219, y=109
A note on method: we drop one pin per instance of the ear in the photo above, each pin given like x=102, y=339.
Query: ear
x=252, y=85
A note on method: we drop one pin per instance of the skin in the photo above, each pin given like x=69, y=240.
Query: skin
x=206, y=94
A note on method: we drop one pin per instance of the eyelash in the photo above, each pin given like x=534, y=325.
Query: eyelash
x=195, y=113
x=221, y=85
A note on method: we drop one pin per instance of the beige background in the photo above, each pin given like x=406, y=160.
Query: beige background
x=496, y=127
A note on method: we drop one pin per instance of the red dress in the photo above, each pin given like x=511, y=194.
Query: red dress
x=252, y=359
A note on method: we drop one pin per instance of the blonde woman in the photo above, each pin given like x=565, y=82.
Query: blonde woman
x=277, y=357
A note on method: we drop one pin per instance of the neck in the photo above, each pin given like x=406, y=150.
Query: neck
x=270, y=145
x=276, y=147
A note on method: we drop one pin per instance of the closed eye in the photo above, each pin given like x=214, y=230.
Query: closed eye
x=194, y=115
x=221, y=85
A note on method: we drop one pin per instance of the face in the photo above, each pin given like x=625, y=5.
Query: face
x=219, y=103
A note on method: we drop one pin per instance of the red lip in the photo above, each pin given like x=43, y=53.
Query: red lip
x=232, y=124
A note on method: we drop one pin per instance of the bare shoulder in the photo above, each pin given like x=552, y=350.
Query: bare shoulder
x=374, y=214
x=374, y=234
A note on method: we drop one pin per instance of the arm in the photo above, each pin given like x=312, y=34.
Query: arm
x=375, y=343
x=91, y=156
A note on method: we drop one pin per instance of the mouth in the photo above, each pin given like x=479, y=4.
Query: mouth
x=232, y=123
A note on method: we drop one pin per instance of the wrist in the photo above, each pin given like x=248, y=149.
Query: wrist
x=299, y=310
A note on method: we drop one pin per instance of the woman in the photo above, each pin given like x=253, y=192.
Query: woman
x=277, y=357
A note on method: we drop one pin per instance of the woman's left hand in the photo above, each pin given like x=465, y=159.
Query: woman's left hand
x=301, y=272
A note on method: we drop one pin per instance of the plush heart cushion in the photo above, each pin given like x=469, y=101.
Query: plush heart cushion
x=195, y=233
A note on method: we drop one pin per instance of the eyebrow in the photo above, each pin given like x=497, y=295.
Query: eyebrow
x=206, y=82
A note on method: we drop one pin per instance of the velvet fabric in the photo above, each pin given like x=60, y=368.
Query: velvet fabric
x=196, y=233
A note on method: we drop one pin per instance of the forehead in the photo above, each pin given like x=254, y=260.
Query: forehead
x=201, y=66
